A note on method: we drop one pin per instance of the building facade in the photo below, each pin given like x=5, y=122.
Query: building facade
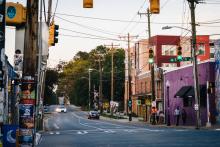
x=180, y=92
x=165, y=49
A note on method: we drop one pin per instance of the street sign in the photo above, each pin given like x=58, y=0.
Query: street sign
x=138, y=102
x=11, y=12
x=180, y=60
x=196, y=107
x=153, y=104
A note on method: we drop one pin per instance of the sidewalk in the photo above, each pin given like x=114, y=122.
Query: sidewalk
x=139, y=121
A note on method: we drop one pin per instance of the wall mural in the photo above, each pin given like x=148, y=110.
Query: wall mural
x=217, y=79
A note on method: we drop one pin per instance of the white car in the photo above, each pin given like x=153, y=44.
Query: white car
x=61, y=109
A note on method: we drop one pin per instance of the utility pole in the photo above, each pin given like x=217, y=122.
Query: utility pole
x=112, y=51
x=100, y=84
x=31, y=43
x=192, y=4
x=129, y=75
x=89, y=88
x=28, y=87
x=49, y=12
x=149, y=44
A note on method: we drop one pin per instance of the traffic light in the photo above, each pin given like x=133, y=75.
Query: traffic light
x=15, y=14
x=129, y=103
x=155, y=6
x=151, y=55
x=53, y=34
x=56, y=33
x=179, y=53
x=87, y=3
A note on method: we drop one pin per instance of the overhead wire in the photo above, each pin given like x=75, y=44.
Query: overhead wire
x=135, y=15
x=55, y=10
x=88, y=27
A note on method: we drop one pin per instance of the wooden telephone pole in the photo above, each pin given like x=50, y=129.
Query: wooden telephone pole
x=112, y=51
x=149, y=44
x=28, y=87
x=129, y=75
x=31, y=39
x=192, y=4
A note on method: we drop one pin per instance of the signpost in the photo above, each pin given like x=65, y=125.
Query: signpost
x=182, y=60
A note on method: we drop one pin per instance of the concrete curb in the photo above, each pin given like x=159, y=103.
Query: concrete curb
x=141, y=122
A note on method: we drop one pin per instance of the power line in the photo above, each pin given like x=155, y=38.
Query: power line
x=135, y=15
x=95, y=38
x=115, y=20
x=88, y=27
x=90, y=34
x=55, y=10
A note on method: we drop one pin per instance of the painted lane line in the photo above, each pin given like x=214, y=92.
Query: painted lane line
x=56, y=126
x=57, y=133
x=82, y=133
x=130, y=131
x=109, y=131
x=98, y=122
x=51, y=133
x=180, y=130
x=85, y=124
x=217, y=129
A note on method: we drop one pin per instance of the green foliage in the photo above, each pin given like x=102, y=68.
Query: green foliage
x=73, y=80
x=50, y=82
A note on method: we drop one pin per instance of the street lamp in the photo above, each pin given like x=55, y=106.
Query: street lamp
x=168, y=102
x=170, y=27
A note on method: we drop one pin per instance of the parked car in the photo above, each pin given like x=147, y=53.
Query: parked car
x=93, y=114
x=61, y=109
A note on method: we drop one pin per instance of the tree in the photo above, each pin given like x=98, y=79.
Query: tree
x=50, y=82
x=73, y=80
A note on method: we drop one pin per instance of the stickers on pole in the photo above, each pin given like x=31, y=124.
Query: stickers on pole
x=26, y=112
x=28, y=92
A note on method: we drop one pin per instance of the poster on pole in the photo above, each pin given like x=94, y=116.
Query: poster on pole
x=28, y=93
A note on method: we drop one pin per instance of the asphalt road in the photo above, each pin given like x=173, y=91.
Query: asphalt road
x=73, y=129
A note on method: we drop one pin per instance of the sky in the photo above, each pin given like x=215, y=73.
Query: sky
x=109, y=20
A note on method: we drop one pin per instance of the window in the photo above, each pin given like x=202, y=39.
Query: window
x=187, y=101
x=141, y=86
x=203, y=101
x=168, y=50
x=201, y=48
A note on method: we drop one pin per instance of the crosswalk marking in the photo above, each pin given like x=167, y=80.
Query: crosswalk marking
x=57, y=133
x=83, y=132
x=109, y=131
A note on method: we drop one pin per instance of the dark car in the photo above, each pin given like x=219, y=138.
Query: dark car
x=93, y=114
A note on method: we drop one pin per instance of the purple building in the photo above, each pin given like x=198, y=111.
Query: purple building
x=179, y=91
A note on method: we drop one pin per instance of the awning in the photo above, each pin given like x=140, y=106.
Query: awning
x=182, y=91
x=191, y=92
x=142, y=95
